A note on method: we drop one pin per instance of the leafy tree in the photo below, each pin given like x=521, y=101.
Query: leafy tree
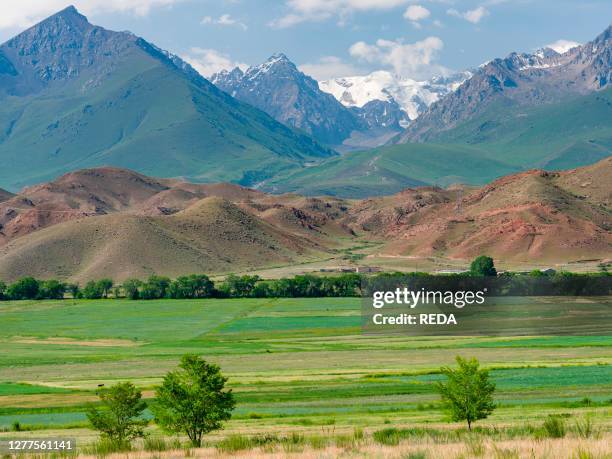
x=120, y=418
x=239, y=286
x=468, y=392
x=2, y=290
x=74, y=290
x=52, y=289
x=483, y=266
x=105, y=286
x=155, y=287
x=92, y=290
x=192, y=399
x=131, y=288
x=24, y=289
x=193, y=286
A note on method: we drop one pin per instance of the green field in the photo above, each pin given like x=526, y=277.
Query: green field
x=294, y=364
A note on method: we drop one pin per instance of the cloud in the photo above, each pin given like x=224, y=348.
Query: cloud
x=208, y=61
x=562, y=46
x=223, y=20
x=320, y=10
x=416, y=13
x=329, y=67
x=24, y=13
x=415, y=60
x=474, y=16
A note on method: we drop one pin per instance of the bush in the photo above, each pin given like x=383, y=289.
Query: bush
x=389, y=437
x=106, y=446
x=554, y=427
x=585, y=428
x=155, y=444
x=234, y=443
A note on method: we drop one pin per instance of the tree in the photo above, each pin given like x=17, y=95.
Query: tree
x=120, y=419
x=193, y=286
x=92, y=291
x=74, y=290
x=468, y=392
x=2, y=290
x=192, y=399
x=131, y=288
x=155, y=287
x=105, y=286
x=52, y=289
x=24, y=289
x=483, y=266
x=239, y=286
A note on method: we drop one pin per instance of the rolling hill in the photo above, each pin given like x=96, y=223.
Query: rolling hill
x=118, y=223
x=74, y=95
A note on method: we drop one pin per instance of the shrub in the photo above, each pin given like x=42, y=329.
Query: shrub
x=234, y=443
x=106, y=446
x=155, y=444
x=554, y=427
x=585, y=427
x=416, y=455
x=389, y=437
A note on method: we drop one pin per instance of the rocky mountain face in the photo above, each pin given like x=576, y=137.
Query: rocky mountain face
x=291, y=97
x=520, y=79
x=412, y=97
x=75, y=95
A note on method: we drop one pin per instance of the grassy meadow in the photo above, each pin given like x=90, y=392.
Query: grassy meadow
x=307, y=382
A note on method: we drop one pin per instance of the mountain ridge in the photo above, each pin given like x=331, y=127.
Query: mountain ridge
x=105, y=99
x=118, y=223
x=520, y=79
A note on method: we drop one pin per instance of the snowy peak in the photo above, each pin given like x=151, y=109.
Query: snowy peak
x=411, y=96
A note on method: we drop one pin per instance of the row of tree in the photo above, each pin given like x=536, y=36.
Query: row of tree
x=482, y=274
x=184, y=287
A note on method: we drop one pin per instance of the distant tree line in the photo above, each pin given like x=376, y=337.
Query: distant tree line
x=196, y=286
x=193, y=286
x=482, y=274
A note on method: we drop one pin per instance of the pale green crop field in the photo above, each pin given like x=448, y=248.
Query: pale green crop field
x=294, y=364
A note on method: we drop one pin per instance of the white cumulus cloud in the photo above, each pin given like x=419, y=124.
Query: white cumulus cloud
x=414, y=60
x=562, y=46
x=208, y=61
x=224, y=20
x=416, y=13
x=318, y=10
x=24, y=13
x=474, y=16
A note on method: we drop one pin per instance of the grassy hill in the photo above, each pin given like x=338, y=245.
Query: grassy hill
x=128, y=104
x=505, y=139
x=387, y=170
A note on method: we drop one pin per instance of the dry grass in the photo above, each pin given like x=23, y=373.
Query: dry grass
x=566, y=448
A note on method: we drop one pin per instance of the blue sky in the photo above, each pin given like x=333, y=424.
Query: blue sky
x=330, y=38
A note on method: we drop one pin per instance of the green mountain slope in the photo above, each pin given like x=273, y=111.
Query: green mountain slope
x=73, y=95
x=504, y=139
x=387, y=170
x=574, y=132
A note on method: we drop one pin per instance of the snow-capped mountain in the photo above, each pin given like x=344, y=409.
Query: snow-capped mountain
x=524, y=79
x=297, y=100
x=412, y=96
x=278, y=88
